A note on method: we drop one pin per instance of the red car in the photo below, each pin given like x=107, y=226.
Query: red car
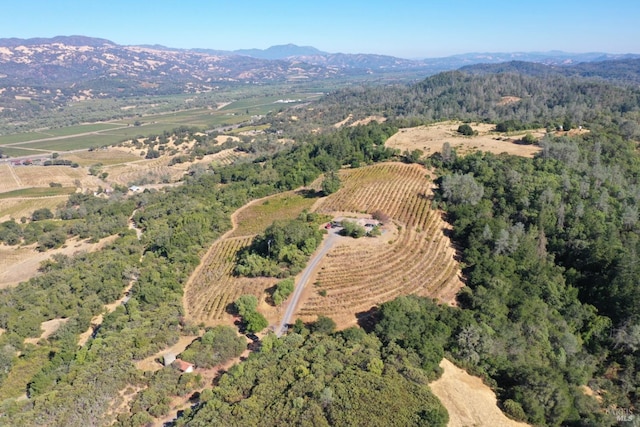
x=328, y=226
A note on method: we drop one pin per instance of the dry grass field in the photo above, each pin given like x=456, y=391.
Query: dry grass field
x=431, y=138
x=468, y=400
x=110, y=156
x=18, y=207
x=8, y=179
x=41, y=176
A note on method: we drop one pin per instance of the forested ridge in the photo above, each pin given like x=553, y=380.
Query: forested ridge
x=622, y=71
x=549, y=247
x=535, y=101
x=552, y=274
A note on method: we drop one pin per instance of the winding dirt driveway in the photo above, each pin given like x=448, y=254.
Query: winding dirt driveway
x=292, y=304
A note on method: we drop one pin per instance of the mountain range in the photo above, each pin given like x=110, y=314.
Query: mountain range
x=79, y=67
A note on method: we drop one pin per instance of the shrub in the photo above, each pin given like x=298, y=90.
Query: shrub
x=283, y=289
x=350, y=228
x=465, y=130
x=529, y=139
x=41, y=214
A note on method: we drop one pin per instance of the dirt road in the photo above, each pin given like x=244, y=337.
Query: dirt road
x=292, y=304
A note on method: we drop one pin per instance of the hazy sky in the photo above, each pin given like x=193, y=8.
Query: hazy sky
x=410, y=29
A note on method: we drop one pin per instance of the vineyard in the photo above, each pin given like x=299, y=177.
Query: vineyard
x=419, y=260
x=400, y=191
x=413, y=256
x=152, y=171
x=214, y=287
x=225, y=157
x=158, y=170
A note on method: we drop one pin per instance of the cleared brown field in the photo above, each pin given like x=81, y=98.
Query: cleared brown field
x=431, y=138
x=418, y=259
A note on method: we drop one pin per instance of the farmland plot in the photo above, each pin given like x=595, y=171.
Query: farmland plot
x=420, y=260
x=214, y=287
x=412, y=257
x=41, y=176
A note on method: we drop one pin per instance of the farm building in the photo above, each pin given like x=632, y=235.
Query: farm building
x=183, y=366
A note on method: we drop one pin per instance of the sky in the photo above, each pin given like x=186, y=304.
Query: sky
x=407, y=29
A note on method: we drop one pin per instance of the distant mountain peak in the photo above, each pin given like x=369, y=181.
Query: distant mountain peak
x=282, y=51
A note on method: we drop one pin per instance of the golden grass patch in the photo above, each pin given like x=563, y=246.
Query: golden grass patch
x=108, y=156
x=431, y=138
x=468, y=400
x=18, y=207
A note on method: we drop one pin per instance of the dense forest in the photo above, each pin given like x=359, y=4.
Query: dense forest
x=549, y=247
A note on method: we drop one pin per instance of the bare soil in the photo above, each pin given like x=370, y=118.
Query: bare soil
x=430, y=139
x=468, y=400
x=350, y=122
x=368, y=120
x=48, y=328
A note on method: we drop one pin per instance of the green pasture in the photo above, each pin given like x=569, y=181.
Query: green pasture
x=79, y=137
x=75, y=143
x=38, y=192
x=18, y=152
x=269, y=102
x=256, y=218
x=21, y=137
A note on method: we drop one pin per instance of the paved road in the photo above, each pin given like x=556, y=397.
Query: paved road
x=292, y=304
